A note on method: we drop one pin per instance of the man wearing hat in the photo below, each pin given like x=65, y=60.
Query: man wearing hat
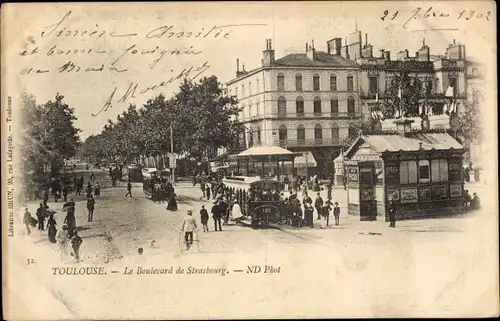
x=189, y=226
x=217, y=215
x=336, y=213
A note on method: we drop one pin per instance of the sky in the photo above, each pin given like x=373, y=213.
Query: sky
x=130, y=44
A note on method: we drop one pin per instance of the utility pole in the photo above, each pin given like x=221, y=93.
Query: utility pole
x=172, y=159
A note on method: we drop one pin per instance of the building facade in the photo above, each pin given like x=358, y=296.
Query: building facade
x=304, y=102
x=309, y=101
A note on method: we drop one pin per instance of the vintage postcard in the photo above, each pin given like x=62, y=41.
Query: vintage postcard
x=237, y=160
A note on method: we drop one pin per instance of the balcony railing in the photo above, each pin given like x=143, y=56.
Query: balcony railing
x=315, y=142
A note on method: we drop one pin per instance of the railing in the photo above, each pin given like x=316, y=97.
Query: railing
x=315, y=142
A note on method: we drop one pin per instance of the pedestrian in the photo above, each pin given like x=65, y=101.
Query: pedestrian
x=216, y=215
x=172, y=203
x=27, y=219
x=90, y=208
x=129, y=189
x=40, y=214
x=475, y=204
x=392, y=214
x=92, y=177
x=52, y=230
x=89, y=190
x=309, y=214
x=76, y=241
x=336, y=213
x=318, y=204
x=236, y=211
x=97, y=190
x=188, y=227
x=45, y=196
x=325, y=211
x=65, y=193
x=62, y=241
x=204, y=218
x=224, y=207
x=202, y=187
x=208, y=190
x=70, y=219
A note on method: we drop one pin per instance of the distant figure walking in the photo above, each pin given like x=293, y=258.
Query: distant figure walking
x=392, y=214
x=129, y=189
x=217, y=215
x=90, y=208
x=76, y=241
x=97, y=190
x=188, y=227
x=172, y=203
x=27, y=220
x=336, y=213
x=62, y=241
x=52, y=230
x=204, y=218
x=40, y=214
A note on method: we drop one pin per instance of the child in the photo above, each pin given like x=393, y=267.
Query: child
x=76, y=241
x=336, y=213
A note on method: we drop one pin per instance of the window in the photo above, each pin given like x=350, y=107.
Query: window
x=373, y=84
x=335, y=134
x=301, y=133
x=439, y=170
x=334, y=107
x=454, y=84
x=299, y=103
x=408, y=172
x=250, y=88
x=474, y=71
x=243, y=90
x=351, y=109
x=236, y=92
x=298, y=82
x=436, y=86
x=318, y=132
x=350, y=83
x=333, y=83
x=424, y=171
x=258, y=136
x=281, y=82
x=257, y=107
x=317, y=106
x=316, y=82
x=257, y=88
x=282, y=133
x=281, y=107
x=250, y=109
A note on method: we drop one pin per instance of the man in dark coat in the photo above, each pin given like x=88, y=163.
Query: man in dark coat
x=392, y=214
x=318, y=204
x=40, y=214
x=90, y=208
x=217, y=215
x=204, y=218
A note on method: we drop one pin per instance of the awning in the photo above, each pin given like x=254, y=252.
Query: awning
x=305, y=160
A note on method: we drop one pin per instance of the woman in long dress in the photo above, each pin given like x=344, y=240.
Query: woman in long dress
x=236, y=212
x=172, y=203
x=52, y=230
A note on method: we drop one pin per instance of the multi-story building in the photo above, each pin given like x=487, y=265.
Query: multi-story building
x=302, y=101
x=309, y=101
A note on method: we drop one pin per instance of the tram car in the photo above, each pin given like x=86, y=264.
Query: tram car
x=150, y=176
x=259, y=198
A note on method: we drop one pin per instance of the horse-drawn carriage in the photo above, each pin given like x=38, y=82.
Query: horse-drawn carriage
x=156, y=185
x=259, y=199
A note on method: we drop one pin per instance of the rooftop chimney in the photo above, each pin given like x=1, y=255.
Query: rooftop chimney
x=387, y=54
x=310, y=53
x=381, y=53
x=403, y=126
x=237, y=64
x=268, y=54
x=366, y=39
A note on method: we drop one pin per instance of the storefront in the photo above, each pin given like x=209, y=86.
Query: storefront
x=421, y=172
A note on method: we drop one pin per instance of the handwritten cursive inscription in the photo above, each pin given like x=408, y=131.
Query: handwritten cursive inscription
x=65, y=31
x=433, y=13
x=160, y=52
x=191, y=72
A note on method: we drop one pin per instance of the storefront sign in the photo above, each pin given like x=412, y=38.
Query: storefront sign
x=393, y=193
x=365, y=157
x=392, y=173
x=455, y=190
x=409, y=195
x=440, y=192
x=367, y=195
x=424, y=194
x=455, y=170
x=352, y=174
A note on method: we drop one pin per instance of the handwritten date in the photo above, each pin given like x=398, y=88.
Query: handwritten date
x=429, y=13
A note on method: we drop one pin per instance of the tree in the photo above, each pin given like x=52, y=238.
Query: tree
x=469, y=121
x=412, y=92
x=364, y=125
x=49, y=136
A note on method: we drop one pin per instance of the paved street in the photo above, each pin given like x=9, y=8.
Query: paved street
x=352, y=256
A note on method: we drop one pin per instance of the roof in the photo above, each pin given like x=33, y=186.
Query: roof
x=412, y=64
x=394, y=142
x=321, y=59
x=265, y=151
